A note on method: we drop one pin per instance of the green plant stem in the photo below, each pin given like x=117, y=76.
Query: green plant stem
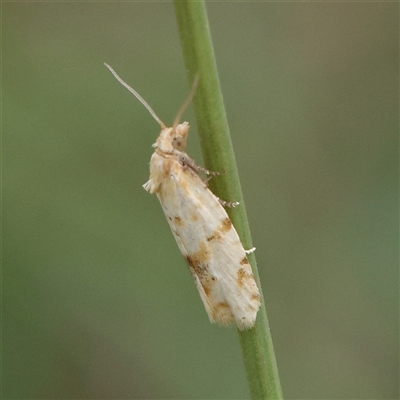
x=256, y=343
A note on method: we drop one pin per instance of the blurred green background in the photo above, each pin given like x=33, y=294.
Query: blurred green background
x=97, y=300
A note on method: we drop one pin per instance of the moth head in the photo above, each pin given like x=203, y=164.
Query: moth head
x=179, y=136
x=174, y=138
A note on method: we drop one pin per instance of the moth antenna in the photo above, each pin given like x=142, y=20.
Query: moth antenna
x=137, y=95
x=187, y=101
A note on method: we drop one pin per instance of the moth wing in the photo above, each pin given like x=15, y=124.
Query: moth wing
x=211, y=247
x=204, y=298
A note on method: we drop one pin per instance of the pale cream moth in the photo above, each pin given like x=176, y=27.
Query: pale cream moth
x=202, y=229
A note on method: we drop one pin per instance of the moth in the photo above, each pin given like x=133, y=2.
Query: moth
x=202, y=229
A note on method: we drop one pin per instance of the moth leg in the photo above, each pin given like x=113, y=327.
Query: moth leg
x=228, y=203
x=252, y=250
x=185, y=160
x=208, y=172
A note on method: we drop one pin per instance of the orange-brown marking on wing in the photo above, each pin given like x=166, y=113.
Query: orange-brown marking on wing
x=244, y=261
x=256, y=297
x=226, y=225
x=219, y=232
x=198, y=263
x=178, y=221
x=207, y=290
x=241, y=276
x=166, y=167
x=194, y=265
x=214, y=236
x=194, y=217
x=211, y=237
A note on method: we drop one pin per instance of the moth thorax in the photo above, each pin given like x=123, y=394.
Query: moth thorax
x=179, y=136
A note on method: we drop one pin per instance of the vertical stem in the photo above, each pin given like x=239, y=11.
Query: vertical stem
x=256, y=343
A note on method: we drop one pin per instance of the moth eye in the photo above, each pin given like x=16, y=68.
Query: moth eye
x=178, y=144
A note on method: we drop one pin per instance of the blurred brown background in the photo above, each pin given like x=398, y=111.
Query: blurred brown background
x=97, y=300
